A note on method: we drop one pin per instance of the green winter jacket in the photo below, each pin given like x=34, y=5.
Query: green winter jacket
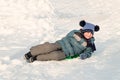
x=72, y=47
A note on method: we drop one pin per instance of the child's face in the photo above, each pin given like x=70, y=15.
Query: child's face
x=88, y=35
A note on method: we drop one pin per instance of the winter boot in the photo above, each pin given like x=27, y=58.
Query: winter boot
x=32, y=59
x=27, y=56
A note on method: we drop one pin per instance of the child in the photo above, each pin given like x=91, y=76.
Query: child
x=75, y=43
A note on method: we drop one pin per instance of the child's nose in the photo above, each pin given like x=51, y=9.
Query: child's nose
x=89, y=33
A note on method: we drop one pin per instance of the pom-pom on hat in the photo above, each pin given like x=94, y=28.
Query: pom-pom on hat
x=88, y=27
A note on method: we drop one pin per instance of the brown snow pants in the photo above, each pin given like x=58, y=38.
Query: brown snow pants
x=48, y=51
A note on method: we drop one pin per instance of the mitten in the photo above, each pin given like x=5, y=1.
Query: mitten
x=83, y=56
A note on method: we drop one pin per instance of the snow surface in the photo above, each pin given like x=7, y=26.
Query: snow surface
x=25, y=23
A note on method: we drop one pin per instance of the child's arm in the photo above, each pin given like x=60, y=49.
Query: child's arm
x=89, y=50
x=75, y=34
x=86, y=54
x=77, y=37
x=71, y=33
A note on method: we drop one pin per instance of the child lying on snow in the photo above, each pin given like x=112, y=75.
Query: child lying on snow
x=75, y=43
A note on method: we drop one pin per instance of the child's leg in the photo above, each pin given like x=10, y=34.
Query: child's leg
x=44, y=48
x=55, y=55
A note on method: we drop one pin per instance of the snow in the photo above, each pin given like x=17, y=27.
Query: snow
x=25, y=23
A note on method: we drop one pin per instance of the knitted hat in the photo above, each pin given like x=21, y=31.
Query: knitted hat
x=88, y=27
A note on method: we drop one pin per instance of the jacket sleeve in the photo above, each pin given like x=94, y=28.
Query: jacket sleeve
x=71, y=33
x=89, y=49
x=86, y=53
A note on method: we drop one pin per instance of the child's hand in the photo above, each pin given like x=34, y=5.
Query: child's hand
x=83, y=56
x=77, y=37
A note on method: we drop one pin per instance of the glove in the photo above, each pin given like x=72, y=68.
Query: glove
x=83, y=56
